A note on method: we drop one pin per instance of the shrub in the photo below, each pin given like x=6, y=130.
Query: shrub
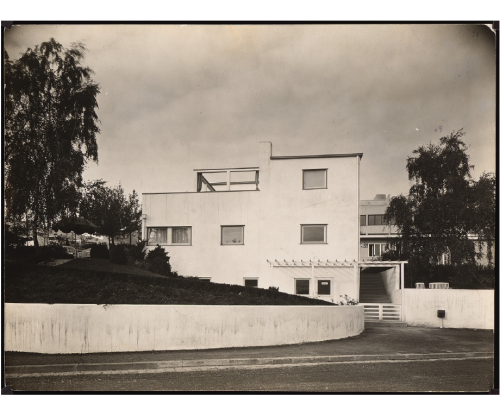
x=159, y=265
x=158, y=261
x=117, y=254
x=98, y=251
x=274, y=289
x=346, y=300
x=136, y=252
x=33, y=255
x=158, y=252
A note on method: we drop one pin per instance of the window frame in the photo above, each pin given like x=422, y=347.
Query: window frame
x=329, y=287
x=382, y=221
x=325, y=170
x=234, y=244
x=169, y=235
x=325, y=228
x=245, y=279
x=382, y=249
x=308, y=280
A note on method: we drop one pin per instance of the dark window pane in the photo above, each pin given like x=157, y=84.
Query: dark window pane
x=376, y=220
x=314, y=179
x=362, y=220
x=302, y=287
x=313, y=234
x=232, y=235
x=323, y=287
x=251, y=282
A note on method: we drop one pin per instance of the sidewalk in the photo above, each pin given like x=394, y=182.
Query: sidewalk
x=374, y=344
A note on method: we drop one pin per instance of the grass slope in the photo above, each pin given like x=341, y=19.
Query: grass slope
x=26, y=283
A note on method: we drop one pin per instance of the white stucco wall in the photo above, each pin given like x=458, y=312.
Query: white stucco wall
x=66, y=329
x=272, y=218
x=464, y=308
x=391, y=282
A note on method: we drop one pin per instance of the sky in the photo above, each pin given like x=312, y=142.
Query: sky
x=180, y=97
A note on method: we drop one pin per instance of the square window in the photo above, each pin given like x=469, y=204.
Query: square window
x=314, y=179
x=169, y=236
x=324, y=287
x=302, y=286
x=232, y=235
x=313, y=234
x=251, y=283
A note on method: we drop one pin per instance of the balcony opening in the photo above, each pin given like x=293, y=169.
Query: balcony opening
x=238, y=179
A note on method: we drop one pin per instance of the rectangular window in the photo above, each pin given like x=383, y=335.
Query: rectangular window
x=376, y=249
x=314, y=179
x=362, y=220
x=251, y=283
x=313, y=234
x=376, y=220
x=205, y=279
x=302, y=286
x=232, y=235
x=324, y=287
x=169, y=236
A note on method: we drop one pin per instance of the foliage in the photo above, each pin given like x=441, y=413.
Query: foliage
x=50, y=132
x=274, y=289
x=117, y=254
x=443, y=209
x=110, y=210
x=480, y=277
x=136, y=252
x=34, y=255
x=26, y=283
x=157, y=252
x=346, y=300
x=159, y=265
x=98, y=251
x=158, y=261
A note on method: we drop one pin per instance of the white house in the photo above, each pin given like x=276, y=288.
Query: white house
x=292, y=222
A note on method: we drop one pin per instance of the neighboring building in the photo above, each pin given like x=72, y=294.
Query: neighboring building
x=292, y=223
x=374, y=231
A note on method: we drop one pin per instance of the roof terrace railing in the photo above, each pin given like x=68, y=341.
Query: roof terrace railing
x=232, y=179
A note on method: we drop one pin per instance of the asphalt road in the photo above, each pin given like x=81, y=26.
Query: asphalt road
x=464, y=375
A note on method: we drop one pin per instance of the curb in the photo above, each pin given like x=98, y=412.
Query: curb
x=61, y=369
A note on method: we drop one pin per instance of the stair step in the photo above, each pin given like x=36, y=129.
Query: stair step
x=384, y=323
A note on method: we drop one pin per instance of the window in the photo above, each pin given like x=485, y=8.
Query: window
x=314, y=179
x=251, y=282
x=375, y=249
x=169, y=236
x=313, y=234
x=324, y=287
x=205, y=279
x=232, y=235
x=362, y=220
x=302, y=286
x=376, y=220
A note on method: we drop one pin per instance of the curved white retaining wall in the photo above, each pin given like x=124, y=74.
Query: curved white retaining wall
x=66, y=329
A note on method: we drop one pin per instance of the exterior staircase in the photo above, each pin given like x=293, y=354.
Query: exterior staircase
x=372, y=289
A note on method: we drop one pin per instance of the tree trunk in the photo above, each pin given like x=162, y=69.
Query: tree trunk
x=35, y=232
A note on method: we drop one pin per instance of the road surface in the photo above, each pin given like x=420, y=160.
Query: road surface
x=460, y=375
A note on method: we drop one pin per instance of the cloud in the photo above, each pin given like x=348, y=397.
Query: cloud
x=177, y=98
